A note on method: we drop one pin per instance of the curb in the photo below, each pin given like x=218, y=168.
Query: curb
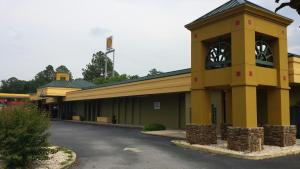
x=241, y=156
x=152, y=134
x=71, y=162
x=104, y=124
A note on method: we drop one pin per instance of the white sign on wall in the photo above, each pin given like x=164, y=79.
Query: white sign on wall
x=156, y=105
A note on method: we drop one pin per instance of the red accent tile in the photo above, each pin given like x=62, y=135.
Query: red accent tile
x=249, y=22
x=284, y=78
x=195, y=79
x=237, y=22
x=238, y=74
x=250, y=73
x=195, y=35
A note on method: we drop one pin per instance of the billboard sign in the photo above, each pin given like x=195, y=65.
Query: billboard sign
x=109, y=42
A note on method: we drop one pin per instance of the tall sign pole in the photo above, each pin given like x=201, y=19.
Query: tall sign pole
x=110, y=49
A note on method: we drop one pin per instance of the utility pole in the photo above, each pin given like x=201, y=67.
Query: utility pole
x=113, y=64
x=105, y=71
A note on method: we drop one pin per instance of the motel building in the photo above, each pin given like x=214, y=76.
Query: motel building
x=10, y=99
x=243, y=85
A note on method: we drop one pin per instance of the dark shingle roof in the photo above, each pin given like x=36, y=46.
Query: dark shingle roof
x=228, y=6
x=293, y=55
x=62, y=69
x=167, y=74
x=79, y=83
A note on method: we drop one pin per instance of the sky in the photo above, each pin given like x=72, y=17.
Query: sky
x=146, y=33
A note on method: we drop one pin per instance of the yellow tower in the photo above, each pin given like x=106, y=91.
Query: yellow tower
x=62, y=73
x=240, y=47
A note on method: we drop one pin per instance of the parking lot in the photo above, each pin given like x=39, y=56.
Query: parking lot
x=105, y=147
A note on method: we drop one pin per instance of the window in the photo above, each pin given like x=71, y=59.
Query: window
x=219, y=53
x=156, y=105
x=264, y=51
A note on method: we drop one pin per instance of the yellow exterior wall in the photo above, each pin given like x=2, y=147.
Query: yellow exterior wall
x=244, y=112
x=215, y=77
x=35, y=97
x=294, y=70
x=172, y=84
x=278, y=107
x=241, y=25
x=61, y=76
x=265, y=76
x=201, y=107
x=51, y=100
x=55, y=91
x=217, y=102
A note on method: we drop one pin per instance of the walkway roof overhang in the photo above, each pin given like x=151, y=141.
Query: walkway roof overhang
x=59, y=88
x=49, y=92
x=172, y=82
x=294, y=68
x=35, y=97
x=14, y=95
x=54, y=91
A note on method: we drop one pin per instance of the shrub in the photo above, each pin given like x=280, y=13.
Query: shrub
x=23, y=136
x=154, y=127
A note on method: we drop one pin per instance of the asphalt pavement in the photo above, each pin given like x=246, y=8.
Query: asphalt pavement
x=107, y=147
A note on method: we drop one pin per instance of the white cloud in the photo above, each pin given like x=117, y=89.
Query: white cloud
x=147, y=34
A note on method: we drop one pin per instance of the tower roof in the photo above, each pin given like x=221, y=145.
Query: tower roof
x=62, y=69
x=227, y=7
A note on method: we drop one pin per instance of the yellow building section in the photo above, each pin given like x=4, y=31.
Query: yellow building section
x=171, y=84
x=35, y=97
x=14, y=95
x=62, y=76
x=54, y=91
x=241, y=27
x=50, y=100
x=294, y=69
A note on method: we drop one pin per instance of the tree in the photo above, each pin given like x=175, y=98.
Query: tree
x=23, y=136
x=117, y=78
x=153, y=72
x=13, y=85
x=294, y=4
x=45, y=76
x=133, y=77
x=96, y=69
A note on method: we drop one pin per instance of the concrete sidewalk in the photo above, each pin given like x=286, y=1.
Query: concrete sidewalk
x=105, y=124
x=180, y=134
